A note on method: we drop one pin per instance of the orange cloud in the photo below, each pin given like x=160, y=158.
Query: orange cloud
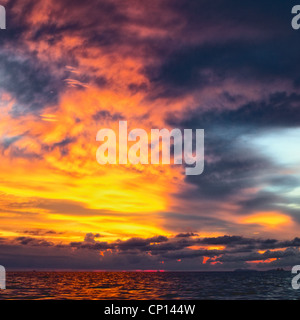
x=267, y=219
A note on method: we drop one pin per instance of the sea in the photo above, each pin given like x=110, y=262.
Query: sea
x=256, y=285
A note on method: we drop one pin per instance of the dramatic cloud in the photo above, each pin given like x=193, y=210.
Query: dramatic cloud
x=173, y=253
x=70, y=68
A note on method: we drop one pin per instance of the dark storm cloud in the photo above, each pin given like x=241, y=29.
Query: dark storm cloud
x=33, y=242
x=292, y=243
x=247, y=43
x=264, y=201
x=140, y=243
x=261, y=201
x=186, y=235
x=285, y=183
x=268, y=15
x=226, y=240
x=238, y=244
x=198, y=67
x=91, y=246
x=33, y=85
x=136, y=253
x=162, y=244
x=225, y=178
x=242, y=244
x=16, y=22
x=90, y=237
x=278, y=110
x=232, y=164
x=257, y=256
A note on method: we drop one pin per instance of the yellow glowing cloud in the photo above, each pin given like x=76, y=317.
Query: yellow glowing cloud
x=267, y=219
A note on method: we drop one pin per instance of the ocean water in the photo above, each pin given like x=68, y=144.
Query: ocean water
x=150, y=285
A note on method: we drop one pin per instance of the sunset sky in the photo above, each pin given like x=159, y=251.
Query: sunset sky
x=69, y=68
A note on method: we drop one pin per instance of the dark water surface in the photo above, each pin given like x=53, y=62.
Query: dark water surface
x=143, y=285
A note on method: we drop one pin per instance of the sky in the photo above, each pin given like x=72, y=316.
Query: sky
x=70, y=68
